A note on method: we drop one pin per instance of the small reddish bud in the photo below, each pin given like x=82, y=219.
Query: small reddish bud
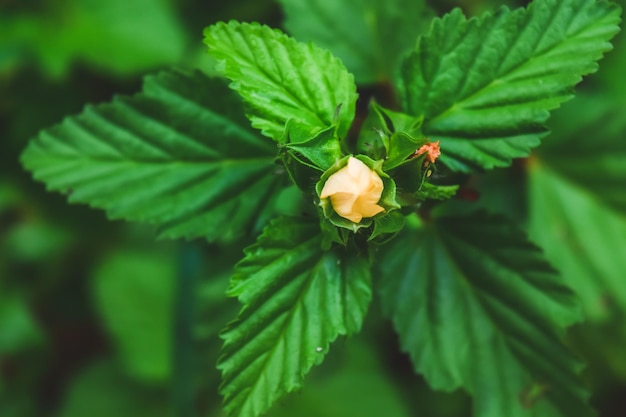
x=432, y=151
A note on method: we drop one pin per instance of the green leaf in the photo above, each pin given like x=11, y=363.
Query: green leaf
x=577, y=203
x=357, y=383
x=115, y=36
x=179, y=155
x=297, y=300
x=370, y=36
x=18, y=327
x=436, y=192
x=389, y=135
x=582, y=236
x=282, y=79
x=588, y=147
x=120, y=36
x=102, y=390
x=485, y=86
x=322, y=149
x=133, y=291
x=477, y=306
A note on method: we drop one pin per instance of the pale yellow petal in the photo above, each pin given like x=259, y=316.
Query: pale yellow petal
x=359, y=172
x=340, y=181
x=343, y=203
x=366, y=209
x=354, y=191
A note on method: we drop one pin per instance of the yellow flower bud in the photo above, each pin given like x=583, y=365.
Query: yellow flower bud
x=354, y=191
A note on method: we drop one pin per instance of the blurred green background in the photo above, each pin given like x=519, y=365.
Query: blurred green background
x=98, y=319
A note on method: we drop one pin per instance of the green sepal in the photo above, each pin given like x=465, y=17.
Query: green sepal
x=412, y=173
x=303, y=175
x=322, y=149
x=401, y=147
x=387, y=199
x=331, y=233
x=387, y=227
x=389, y=135
x=402, y=122
x=373, y=139
x=436, y=192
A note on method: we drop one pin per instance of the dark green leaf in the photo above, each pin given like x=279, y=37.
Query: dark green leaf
x=485, y=86
x=179, y=155
x=297, y=300
x=477, y=306
x=370, y=36
x=282, y=79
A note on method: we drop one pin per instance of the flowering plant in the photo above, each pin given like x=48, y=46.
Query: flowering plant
x=473, y=300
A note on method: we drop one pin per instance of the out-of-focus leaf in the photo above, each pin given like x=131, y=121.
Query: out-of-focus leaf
x=583, y=237
x=297, y=300
x=123, y=36
x=356, y=386
x=134, y=292
x=103, y=391
x=36, y=241
x=370, y=36
x=577, y=209
x=477, y=306
x=282, y=79
x=117, y=36
x=588, y=147
x=180, y=155
x=485, y=86
x=18, y=329
x=614, y=66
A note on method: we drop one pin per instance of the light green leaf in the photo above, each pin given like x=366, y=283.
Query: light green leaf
x=370, y=36
x=282, y=79
x=485, y=86
x=119, y=35
x=582, y=236
x=116, y=36
x=133, y=291
x=477, y=306
x=297, y=300
x=179, y=155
